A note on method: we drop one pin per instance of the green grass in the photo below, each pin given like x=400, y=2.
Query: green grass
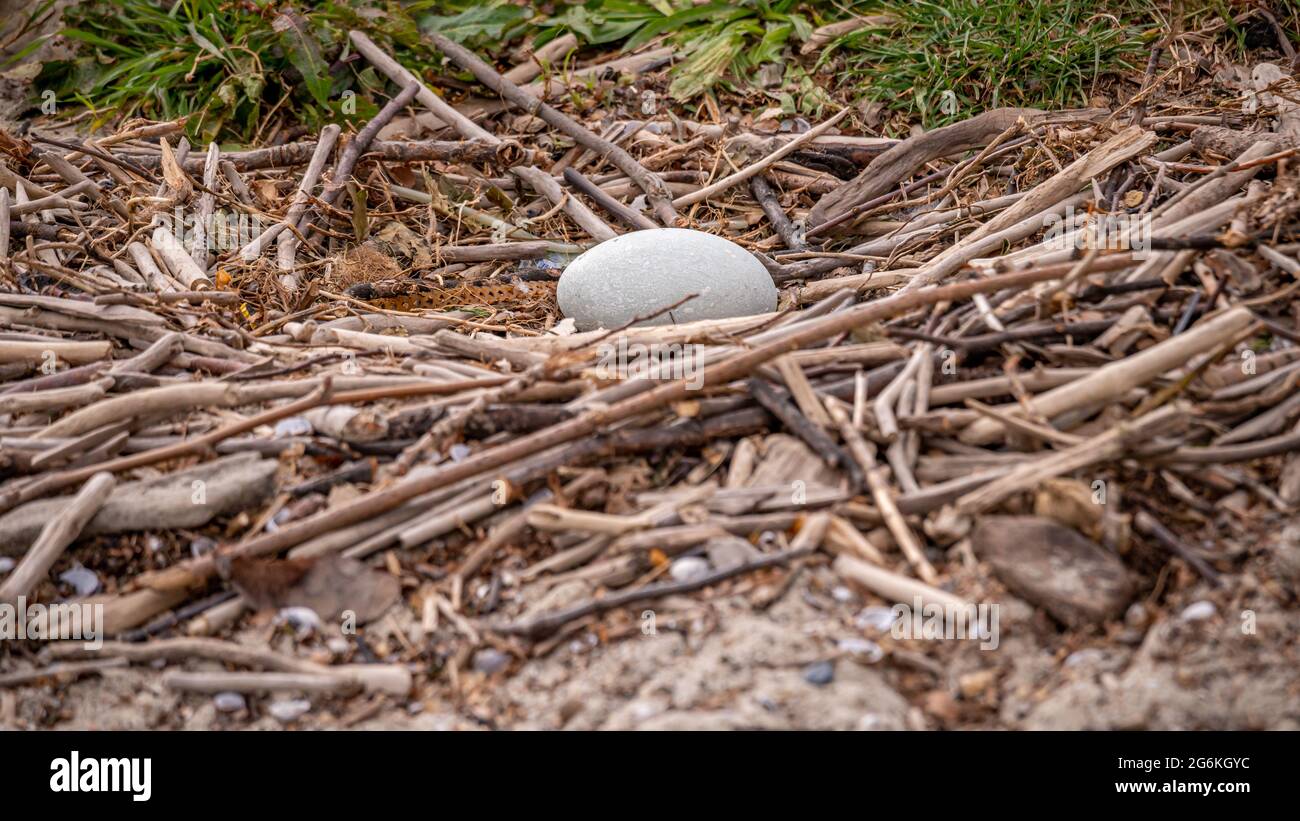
x=228, y=63
x=948, y=59
x=714, y=39
x=231, y=63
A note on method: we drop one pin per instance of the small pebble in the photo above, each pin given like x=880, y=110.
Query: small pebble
x=202, y=545
x=819, y=673
x=303, y=620
x=872, y=721
x=286, y=711
x=687, y=568
x=228, y=702
x=83, y=581
x=1090, y=655
x=1136, y=615
x=645, y=709
x=1199, y=611
x=293, y=426
x=843, y=594
x=490, y=660
x=880, y=619
x=861, y=649
x=973, y=685
x=459, y=452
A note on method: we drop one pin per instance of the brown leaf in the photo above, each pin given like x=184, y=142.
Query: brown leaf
x=177, y=180
x=329, y=585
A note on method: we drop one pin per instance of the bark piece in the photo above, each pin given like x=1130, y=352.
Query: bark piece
x=329, y=585
x=1074, y=579
x=223, y=486
x=903, y=160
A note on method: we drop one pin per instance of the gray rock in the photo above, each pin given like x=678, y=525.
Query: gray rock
x=289, y=710
x=1199, y=611
x=819, y=673
x=1054, y=567
x=489, y=660
x=303, y=620
x=228, y=702
x=687, y=568
x=864, y=650
x=645, y=271
x=1287, y=556
x=730, y=552
x=83, y=580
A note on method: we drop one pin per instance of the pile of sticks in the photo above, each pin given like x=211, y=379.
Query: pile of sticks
x=955, y=332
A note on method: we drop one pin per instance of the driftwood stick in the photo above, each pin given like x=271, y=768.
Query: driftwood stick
x=780, y=406
x=342, y=173
x=1118, y=378
x=66, y=671
x=199, y=251
x=864, y=455
x=532, y=68
x=4, y=226
x=320, y=394
x=546, y=624
x=632, y=219
x=400, y=75
x=766, y=196
x=760, y=166
x=320, y=155
x=212, y=683
x=905, y=158
x=656, y=192
x=385, y=678
x=545, y=184
x=73, y=176
x=56, y=537
x=1106, y=447
x=1149, y=525
x=178, y=261
x=893, y=587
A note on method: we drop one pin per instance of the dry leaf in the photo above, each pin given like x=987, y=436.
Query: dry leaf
x=177, y=180
x=330, y=585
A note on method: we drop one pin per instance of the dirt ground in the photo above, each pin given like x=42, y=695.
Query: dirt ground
x=1205, y=659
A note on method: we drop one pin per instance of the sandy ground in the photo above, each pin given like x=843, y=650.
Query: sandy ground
x=725, y=664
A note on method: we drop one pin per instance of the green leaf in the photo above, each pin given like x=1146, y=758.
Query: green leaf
x=490, y=21
x=205, y=44
x=304, y=54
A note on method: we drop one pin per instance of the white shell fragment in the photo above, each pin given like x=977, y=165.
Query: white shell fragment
x=637, y=274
